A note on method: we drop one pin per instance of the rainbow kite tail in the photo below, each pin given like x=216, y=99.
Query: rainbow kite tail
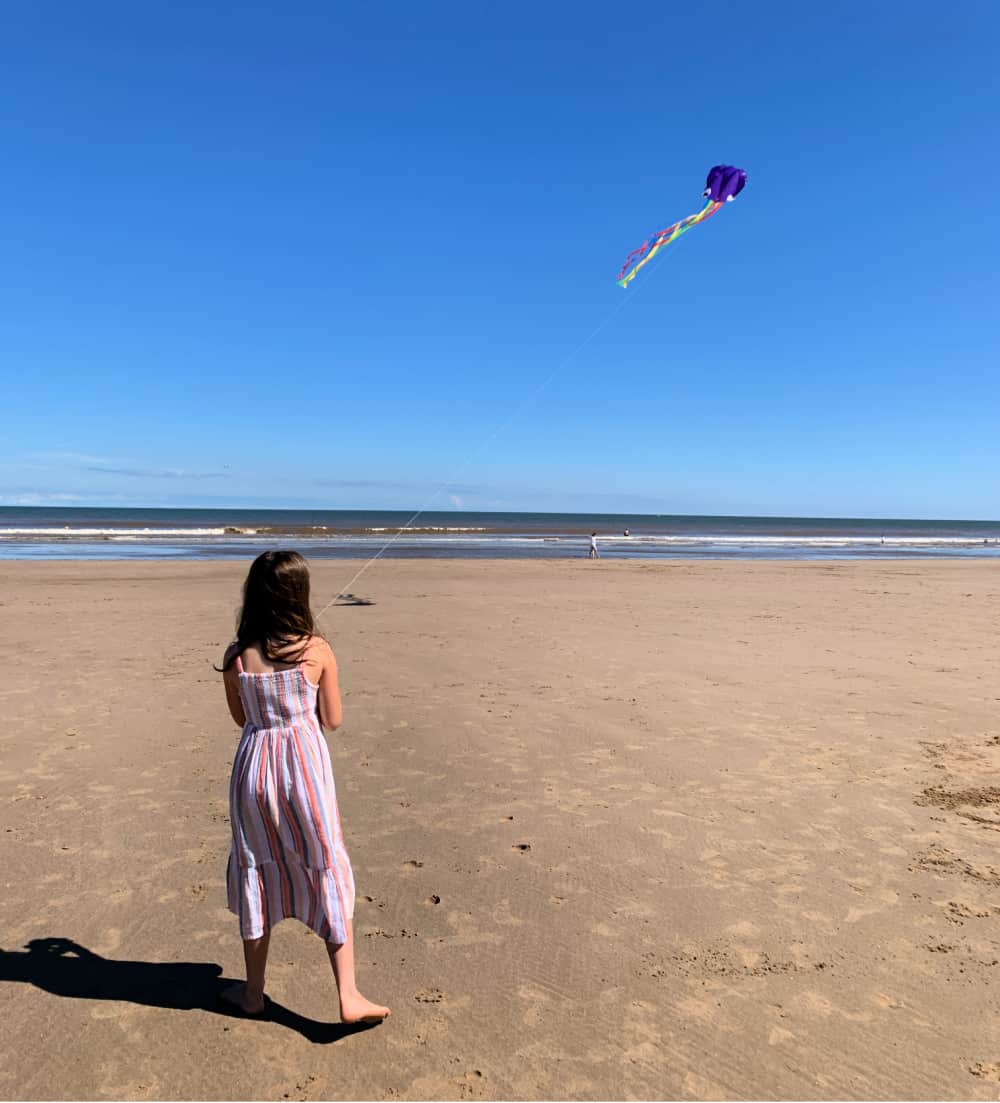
x=645, y=253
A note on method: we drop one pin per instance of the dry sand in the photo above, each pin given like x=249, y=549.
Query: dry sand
x=619, y=830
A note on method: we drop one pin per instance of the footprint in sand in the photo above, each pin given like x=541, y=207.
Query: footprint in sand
x=958, y=910
x=471, y=1085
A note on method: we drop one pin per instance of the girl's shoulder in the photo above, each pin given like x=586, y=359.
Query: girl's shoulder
x=317, y=659
x=319, y=647
x=232, y=652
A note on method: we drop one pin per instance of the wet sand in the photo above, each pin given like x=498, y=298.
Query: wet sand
x=683, y=830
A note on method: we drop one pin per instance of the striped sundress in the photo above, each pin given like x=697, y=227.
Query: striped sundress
x=288, y=857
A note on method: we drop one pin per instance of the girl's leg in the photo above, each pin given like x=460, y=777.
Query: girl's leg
x=354, y=1008
x=255, y=956
x=250, y=996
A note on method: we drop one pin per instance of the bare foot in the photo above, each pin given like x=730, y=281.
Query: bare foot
x=356, y=1009
x=237, y=997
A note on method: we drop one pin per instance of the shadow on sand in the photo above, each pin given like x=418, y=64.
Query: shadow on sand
x=65, y=968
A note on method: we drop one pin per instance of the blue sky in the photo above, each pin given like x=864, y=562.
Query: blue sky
x=314, y=254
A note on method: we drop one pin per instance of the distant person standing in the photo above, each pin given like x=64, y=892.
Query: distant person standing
x=594, y=553
x=626, y=533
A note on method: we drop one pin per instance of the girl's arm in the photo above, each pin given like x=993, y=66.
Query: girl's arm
x=328, y=698
x=231, y=680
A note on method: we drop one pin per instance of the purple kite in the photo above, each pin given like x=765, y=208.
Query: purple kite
x=723, y=185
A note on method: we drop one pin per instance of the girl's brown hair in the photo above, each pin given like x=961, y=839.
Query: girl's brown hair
x=275, y=613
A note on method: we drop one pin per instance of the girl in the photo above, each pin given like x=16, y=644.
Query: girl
x=288, y=856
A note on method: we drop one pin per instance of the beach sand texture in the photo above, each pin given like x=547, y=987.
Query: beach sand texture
x=619, y=830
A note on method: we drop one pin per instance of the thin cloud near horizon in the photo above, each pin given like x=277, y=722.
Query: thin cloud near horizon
x=156, y=472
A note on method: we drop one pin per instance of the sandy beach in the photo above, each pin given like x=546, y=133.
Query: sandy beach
x=620, y=830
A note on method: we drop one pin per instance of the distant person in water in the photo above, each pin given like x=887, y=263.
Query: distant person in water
x=594, y=553
x=626, y=533
x=288, y=858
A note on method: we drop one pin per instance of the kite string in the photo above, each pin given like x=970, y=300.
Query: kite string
x=485, y=443
x=530, y=397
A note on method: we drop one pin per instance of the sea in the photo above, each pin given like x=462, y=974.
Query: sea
x=36, y=532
